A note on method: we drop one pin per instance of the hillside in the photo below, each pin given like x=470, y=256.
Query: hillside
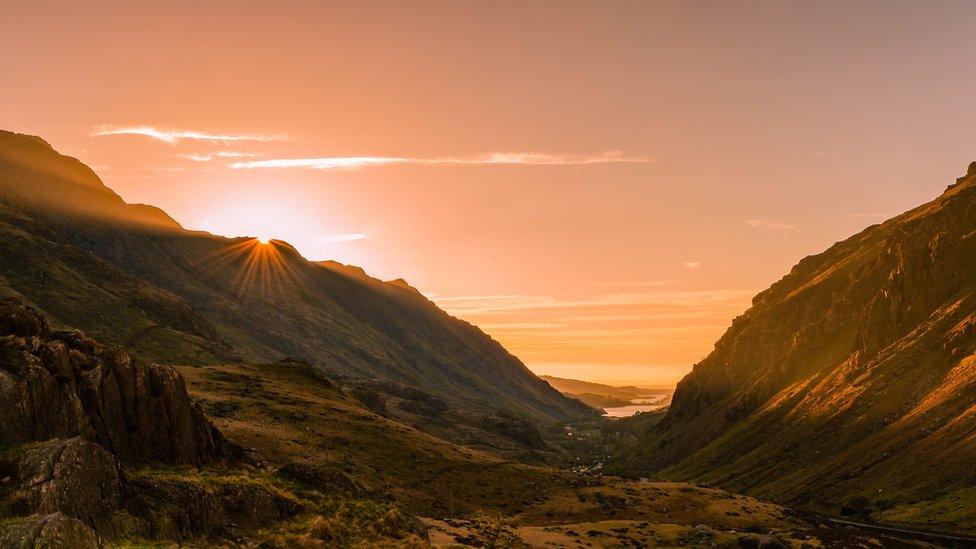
x=849, y=385
x=129, y=274
x=100, y=449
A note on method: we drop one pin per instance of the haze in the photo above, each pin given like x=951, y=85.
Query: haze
x=600, y=187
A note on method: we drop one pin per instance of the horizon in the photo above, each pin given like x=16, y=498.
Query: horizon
x=601, y=190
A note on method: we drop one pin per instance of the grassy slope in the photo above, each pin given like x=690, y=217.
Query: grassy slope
x=848, y=383
x=288, y=412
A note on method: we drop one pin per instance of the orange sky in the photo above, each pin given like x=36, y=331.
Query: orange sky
x=600, y=186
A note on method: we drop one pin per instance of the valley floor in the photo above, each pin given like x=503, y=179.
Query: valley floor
x=288, y=414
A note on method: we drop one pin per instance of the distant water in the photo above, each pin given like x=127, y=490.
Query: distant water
x=627, y=411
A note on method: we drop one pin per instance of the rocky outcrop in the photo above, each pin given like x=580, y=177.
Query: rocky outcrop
x=61, y=384
x=74, y=477
x=183, y=509
x=52, y=531
x=74, y=413
x=326, y=478
x=60, y=484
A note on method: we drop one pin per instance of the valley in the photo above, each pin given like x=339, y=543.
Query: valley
x=498, y=275
x=226, y=391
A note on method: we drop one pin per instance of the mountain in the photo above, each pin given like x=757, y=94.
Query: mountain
x=849, y=385
x=600, y=395
x=130, y=274
x=290, y=416
x=102, y=449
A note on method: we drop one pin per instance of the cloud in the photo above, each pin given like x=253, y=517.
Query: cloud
x=175, y=136
x=650, y=325
x=501, y=326
x=771, y=225
x=692, y=265
x=494, y=158
x=504, y=303
x=325, y=163
x=343, y=237
x=220, y=154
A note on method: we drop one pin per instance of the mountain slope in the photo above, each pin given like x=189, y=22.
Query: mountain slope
x=849, y=383
x=130, y=274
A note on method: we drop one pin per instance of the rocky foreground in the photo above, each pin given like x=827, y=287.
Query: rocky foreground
x=99, y=447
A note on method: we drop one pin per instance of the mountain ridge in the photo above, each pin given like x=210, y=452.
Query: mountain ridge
x=855, y=368
x=132, y=275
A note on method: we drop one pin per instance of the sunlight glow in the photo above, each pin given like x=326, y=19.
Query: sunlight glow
x=260, y=270
x=273, y=218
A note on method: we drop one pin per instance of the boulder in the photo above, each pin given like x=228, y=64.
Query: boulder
x=179, y=510
x=399, y=525
x=323, y=477
x=51, y=531
x=74, y=477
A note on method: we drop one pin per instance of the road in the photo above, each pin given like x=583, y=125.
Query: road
x=945, y=540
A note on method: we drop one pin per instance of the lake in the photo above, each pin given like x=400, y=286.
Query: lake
x=627, y=411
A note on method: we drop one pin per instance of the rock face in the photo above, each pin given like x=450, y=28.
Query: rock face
x=179, y=510
x=75, y=487
x=853, y=374
x=74, y=477
x=52, y=531
x=71, y=492
x=60, y=384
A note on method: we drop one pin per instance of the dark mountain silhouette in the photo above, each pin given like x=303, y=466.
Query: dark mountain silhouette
x=129, y=274
x=850, y=383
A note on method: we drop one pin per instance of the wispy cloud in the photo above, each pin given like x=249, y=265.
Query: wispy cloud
x=692, y=265
x=494, y=158
x=219, y=154
x=325, y=163
x=652, y=325
x=771, y=225
x=343, y=237
x=175, y=136
x=493, y=304
x=503, y=326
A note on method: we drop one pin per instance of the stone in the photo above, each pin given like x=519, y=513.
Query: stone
x=51, y=531
x=61, y=384
x=74, y=477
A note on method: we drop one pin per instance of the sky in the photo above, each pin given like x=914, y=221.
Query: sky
x=601, y=187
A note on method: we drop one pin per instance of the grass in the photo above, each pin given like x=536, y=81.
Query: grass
x=289, y=415
x=951, y=512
